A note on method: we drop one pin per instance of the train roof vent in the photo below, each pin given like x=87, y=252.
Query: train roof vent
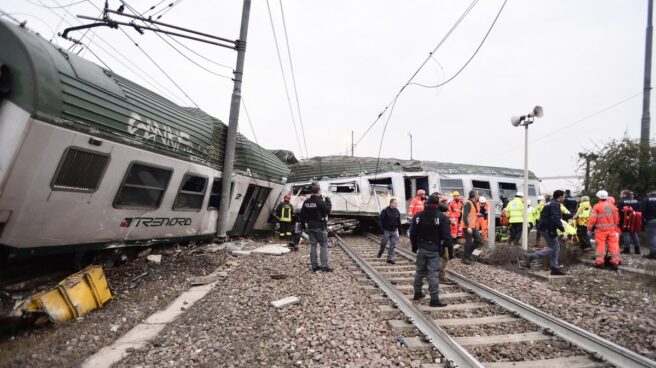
x=80, y=170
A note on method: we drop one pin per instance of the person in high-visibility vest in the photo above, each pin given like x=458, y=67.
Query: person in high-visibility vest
x=455, y=213
x=582, y=218
x=515, y=211
x=283, y=214
x=605, y=219
x=416, y=204
x=482, y=222
x=469, y=217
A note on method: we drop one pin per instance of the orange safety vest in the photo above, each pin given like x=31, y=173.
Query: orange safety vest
x=605, y=217
x=455, y=208
x=472, y=216
x=482, y=221
x=416, y=206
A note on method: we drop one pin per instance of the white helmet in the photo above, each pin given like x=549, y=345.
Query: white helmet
x=482, y=199
x=519, y=194
x=528, y=202
x=602, y=194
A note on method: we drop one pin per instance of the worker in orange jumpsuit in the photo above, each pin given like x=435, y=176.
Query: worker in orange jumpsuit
x=455, y=213
x=416, y=204
x=605, y=219
x=481, y=221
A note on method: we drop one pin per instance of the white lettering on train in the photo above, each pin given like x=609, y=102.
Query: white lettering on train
x=160, y=133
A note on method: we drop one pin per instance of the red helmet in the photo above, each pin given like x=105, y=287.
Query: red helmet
x=288, y=198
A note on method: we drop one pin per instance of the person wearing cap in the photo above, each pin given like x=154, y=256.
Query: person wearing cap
x=455, y=213
x=283, y=214
x=469, y=217
x=550, y=223
x=390, y=223
x=416, y=204
x=515, y=211
x=482, y=221
x=430, y=236
x=582, y=218
x=648, y=209
x=605, y=220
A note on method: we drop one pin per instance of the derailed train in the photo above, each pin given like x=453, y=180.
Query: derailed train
x=359, y=187
x=91, y=160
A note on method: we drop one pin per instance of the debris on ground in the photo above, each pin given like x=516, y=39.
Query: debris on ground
x=285, y=302
x=272, y=249
x=73, y=297
x=155, y=258
x=241, y=252
x=203, y=280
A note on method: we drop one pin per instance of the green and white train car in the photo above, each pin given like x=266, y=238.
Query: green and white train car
x=89, y=159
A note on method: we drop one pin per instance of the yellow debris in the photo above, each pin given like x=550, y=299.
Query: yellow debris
x=74, y=297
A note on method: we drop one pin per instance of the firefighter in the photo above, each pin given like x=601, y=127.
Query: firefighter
x=605, y=219
x=582, y=218
x=630, y=221
x=515, y=211
x=482, y=222
x=430, y=236
x=416, y=204
x=648, y=208
x=455, y=213
x=470, y=214
x=283, y=214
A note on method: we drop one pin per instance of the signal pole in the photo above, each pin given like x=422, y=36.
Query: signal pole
x=233, y=123
x=646, y=119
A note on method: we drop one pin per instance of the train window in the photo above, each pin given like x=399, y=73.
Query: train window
x=191, y=194
x=305, y=189
x=531, y=190
x=483, y=188
x=351, y=187
x=507, y=189
x=449, y=186
x=383, y=185
x=80, y=170
x=143, y=187
x=215, y=193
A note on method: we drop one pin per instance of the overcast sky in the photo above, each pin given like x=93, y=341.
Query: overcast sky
x=575, y=58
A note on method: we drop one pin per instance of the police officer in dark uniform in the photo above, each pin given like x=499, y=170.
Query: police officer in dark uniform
x=649, y=217
x=629, y=208
x=314, y=217
x=430, y=235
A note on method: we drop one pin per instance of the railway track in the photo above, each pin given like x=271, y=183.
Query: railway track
x=480, y=326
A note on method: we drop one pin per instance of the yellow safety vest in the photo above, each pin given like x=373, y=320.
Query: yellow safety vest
x=515, y=210
x=286, y=212
x=583, y=213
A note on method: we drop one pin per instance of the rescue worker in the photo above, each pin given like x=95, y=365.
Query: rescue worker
x=515, y=211
x=416, y=204
x=630, y=221
x=605, y=219
x=482, y=221
x=531, y=215
x=571, y=204
x=390, y=224
x=430, y=236
x=314, y=213
x=550, y=223
x=283, y=214
x=582, y=218
x=648, y=209
x=448, y=253
x=468, y=223
x=455, y=213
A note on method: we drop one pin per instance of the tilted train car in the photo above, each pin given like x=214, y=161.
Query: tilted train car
x=89, y=159
x=359, y=187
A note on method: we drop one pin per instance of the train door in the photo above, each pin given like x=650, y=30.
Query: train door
x=250, y=209
x=412, y=185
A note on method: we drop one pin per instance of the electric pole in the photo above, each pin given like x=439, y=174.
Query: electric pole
x=352, y=145
x=410, y=135
x=646, y=119
x=233, y=122
x=587, y=157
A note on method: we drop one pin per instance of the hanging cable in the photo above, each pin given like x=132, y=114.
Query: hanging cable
x=284, y=79
x=473, y=55
x=55, y=7
x=380, y=146
x=291, y=66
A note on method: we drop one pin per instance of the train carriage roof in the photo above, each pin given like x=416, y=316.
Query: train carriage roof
x=328, y=167
x=64, y=89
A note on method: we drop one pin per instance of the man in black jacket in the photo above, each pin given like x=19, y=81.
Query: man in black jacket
x=314, y=214
x=571, y=204
x=390, y=223
x=549, y=224
x=629, y=207
x=430, y=234
x=649, y=217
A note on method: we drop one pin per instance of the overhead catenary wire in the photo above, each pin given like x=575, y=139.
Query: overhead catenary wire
x=284, y=79
x=166, y=9
x=55, y=7
x=472, y=56
x=291, y=67
x=430, y=54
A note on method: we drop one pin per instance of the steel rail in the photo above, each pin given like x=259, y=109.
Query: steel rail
x=607, y=350
x=447, y=346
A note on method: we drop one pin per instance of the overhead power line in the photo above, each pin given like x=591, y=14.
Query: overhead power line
x=291, y=66
x=55, y=7
x=284, y=80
